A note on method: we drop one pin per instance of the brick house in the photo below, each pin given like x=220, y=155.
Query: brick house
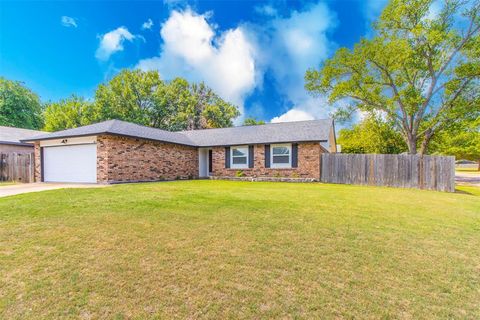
x=117, y=151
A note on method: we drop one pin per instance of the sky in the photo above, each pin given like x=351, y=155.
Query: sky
x=254, y=54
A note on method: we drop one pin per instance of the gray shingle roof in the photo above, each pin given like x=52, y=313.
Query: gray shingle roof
x=11, y=135
x=301, y=131
x=118, y=127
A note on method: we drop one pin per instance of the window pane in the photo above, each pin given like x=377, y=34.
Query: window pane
x=281, y=159
x=239, y=160
x=281, y=150
x=239, y=152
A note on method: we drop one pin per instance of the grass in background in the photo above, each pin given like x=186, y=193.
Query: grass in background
x=469, y=170
x=219, y=249
x=6, y=183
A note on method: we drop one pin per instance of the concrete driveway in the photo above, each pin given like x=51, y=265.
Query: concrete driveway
x=467, y=178
x=10, y=190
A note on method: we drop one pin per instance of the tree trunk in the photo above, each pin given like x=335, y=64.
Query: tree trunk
x=426, y=141
x=478, y=165
x=412, y=146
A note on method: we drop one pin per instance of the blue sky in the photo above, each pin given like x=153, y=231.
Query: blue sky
x=253, y=53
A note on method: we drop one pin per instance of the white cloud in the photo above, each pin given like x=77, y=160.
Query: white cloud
x=235, y=61
x=68, y=21
x=372, y=9
x=296, y=43
x=307, y=108
x=267, y=10
x=147, y=24
x=293, y=115
x=112, y=42
x=175, y=3
x=192, y=49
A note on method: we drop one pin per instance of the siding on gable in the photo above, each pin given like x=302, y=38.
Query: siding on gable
x=8, y=148
x=308, y=163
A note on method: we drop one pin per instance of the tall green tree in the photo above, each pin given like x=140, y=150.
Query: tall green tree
x=143, y=98
x=72, y=112
x=371, y=135
x=19, y=106
x=180, y=105
x=463, y=141
x=252, y=122
x=420, y=69
x=128, y=96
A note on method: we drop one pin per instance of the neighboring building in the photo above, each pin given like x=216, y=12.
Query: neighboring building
x=117, y=151
x=10, y=139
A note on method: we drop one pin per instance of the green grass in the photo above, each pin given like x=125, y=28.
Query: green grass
x=229, y=250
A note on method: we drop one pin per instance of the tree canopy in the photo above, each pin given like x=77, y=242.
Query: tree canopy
x=72, y=112
x=143, y=98
x=19, y=106
x=371, y=135
x=252, y=122
x=421, y=69
x=463, y=141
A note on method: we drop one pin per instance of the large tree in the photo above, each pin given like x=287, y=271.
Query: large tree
x=144, y=98
x=128, y=96
x=19, y=106
x=421, y=69
x=72, y=112
x=371, y=135
x=180, y=105
x=462, y=141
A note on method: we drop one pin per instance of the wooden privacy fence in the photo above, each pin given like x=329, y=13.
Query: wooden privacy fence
x=393, y=170
x=16, y=167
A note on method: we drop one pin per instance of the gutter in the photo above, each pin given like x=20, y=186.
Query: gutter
x=22, y=144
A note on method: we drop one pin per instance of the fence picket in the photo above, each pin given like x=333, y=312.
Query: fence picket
x=16, y=167
x=407, y=171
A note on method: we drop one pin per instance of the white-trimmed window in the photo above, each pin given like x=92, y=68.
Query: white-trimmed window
x=281, y=156
x=239, y=157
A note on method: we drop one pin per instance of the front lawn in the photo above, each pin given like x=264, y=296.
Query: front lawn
x=218, y=249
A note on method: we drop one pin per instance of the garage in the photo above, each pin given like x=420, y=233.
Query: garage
x=70, y=163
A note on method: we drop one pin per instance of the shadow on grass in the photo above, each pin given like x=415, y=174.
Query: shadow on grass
x=469, y=190
x=463, y=192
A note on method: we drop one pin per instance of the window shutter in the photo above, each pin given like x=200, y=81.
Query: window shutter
x=267, y=156
x=250, y=156
x=227, y=157
x=294, y=155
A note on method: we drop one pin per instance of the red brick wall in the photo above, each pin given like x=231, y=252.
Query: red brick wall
x=308, y=163
x=128, y=159
x=121, y=159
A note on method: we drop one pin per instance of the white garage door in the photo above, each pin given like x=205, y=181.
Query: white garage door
x=75, y=163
